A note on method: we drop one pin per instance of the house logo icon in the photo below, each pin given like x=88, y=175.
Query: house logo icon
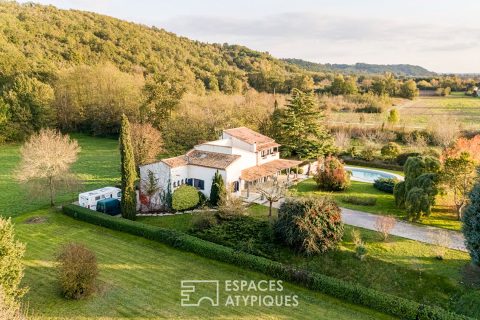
x=196, y=292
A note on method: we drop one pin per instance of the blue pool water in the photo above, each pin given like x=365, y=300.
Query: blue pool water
x=369, y=175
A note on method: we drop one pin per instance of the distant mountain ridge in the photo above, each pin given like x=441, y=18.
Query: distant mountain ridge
x=363, y=68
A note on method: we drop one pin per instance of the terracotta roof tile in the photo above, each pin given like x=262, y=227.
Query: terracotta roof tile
x=268, y=169
x=175, y=161
x=210, y=159
x=248, y=135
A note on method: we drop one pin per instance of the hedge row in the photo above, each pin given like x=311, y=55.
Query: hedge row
x=353, y=293
x=372, y=164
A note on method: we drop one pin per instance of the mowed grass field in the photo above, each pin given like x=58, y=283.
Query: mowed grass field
x=398, y=266
x=97, y=166
x=139, y=279
x=421, y=112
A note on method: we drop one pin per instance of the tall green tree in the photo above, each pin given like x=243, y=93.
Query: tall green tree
x=218, y=190
x=471, y=225
x=302, y=133
x=129, y=173
x=418, y=191
x=408, y=89
x=459, y=176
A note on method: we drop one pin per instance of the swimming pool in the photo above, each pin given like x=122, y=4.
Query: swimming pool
x=370, y=175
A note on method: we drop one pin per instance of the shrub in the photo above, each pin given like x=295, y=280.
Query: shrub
x=203, y=221
x=385, y=184
x=231, y=207
x=242, y=233
x=77, y=271
x=368, y=153
x=390, y=150
x=309, y=225
x=403, y=157
x=353, y=293
x=218, y=189
x=471, y=225
x=185, y=198
x=360, y=249
x=333, y=177
x=384, y=225
x=361, y=201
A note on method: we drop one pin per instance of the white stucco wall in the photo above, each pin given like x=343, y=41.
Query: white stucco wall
x=205, y=174
x=214, y=148
x=267, y=158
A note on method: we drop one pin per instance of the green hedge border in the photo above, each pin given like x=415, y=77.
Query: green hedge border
x=353, y=293
x=371, y=164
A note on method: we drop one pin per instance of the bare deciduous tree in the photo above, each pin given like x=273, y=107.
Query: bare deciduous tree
x=384, y=225
x=147, y=143
x=444, y=130
x=45, y=163
x=272, y=191
x=342, y=139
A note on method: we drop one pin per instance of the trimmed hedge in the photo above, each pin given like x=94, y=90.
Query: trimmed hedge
x=353, y=293
x=372, y=164
x=385, y=184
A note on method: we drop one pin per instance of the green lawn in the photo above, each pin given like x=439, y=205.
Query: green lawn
x=398, y=266
x=97, y=166
x=140, y=279
x=442, y=216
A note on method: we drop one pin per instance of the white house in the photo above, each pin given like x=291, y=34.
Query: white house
x=241, y=155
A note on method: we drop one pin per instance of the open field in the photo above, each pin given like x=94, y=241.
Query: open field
x=398, y=266
x=97, y=166
x=421, y=112
x=139, y=279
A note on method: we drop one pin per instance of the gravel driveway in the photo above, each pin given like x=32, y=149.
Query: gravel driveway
x=402, y=228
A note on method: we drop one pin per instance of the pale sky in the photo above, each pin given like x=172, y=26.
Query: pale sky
x=440, y=35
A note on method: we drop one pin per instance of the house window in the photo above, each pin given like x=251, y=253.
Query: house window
x=199, y=184
x=190, y=182
x=236, y=186
x=174, y=184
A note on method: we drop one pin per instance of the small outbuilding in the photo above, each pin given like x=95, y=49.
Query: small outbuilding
x=89, y=199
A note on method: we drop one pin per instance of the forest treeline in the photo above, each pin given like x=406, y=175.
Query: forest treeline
x=80, y=71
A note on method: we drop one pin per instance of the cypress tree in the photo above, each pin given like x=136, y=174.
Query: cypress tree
x=471, y=225
x=218, y=189
x=129, y=172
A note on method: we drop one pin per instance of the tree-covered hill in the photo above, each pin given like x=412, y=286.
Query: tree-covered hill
x=40, y=40
x=363, y=68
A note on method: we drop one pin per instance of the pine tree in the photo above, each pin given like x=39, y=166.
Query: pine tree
x=218, y=189
x=129, y=173
x=471, y=225
x=302, y=134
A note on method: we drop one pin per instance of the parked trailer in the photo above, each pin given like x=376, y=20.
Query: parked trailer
x=89, y=199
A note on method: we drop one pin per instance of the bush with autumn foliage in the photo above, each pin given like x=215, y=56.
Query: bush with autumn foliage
x=309, y=225
x=470, y=146
x=333, y=176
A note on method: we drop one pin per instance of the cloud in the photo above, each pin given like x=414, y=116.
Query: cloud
x=334, y=38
